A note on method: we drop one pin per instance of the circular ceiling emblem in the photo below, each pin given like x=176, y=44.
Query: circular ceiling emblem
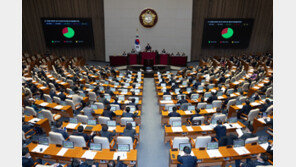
x=148, y=18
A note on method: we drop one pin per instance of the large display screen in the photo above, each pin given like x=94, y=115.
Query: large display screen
x=227, y=33
x=68, y=32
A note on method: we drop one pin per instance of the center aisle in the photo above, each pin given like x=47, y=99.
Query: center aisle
x=152, y=152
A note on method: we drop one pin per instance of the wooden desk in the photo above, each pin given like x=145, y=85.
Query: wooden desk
x=43, y=123
x=234, y=108
x=197, y=131
x=77, y=152
x=257, y=124
x=65, y=111
x=228, y=153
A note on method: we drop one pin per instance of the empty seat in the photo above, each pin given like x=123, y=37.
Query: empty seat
x=77, y=140
x=56, y=138
x=31, y=110
x=103, y=120
x=202, y=141
x=126, y=140
x=82, y=118
x=177, y=140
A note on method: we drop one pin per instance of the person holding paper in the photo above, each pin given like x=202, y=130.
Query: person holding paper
x=174, y=113
x=186, y=160
x=60, y=130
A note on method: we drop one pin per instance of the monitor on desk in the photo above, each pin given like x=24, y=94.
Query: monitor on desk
x=91, y=122
x=112, y=89
x=168, y=98
x=94, y=107
x=212, y=146
x=182, y=145
x=113, y=108
x=188, y=90
x=211, y=86
x=220, y=93
x=132, y=109
x=111, y=123
x=200, y=88
x=191, y=108
x=73, y=120
x=239, y=143
x=40, y=115
x=176, y=123
x=252, y=100
x=82, y=94
x=101, y=88
x=170, y=108
x=263, y=97
x=63, y=103
x=232, y=120
x=163, y=84
x=184, y=83
x=124, y=90
x=203, y=81
x=133, y=123
x=263, y=139
x=43, y=141
x=96, y=146
x=238, y=102
x=108, y=97
x=209, y=106
x=137, y=90
x=123, y=147
x=264, y=114
x=196, y=122
x=91, y=87
x=230, y=92
x=121, y=98
x=68, y=144
x=214, y=121
x=195, y=96
x=207, y=95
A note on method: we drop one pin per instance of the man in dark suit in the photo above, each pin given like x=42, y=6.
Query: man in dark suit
x=148, y=47
x=105, y=133
x=265, y=105
x=246, y=109
x=183, y=100
x=60, y=130
x=174, y=113
x=128, y=114
x=227, y=140
x=129, y=131
x=108, y=113
x=80, y=133
x=133, y=103
x=62, y=95
x=262, y=160
x=220, y=130
x=212, y=98
x=116, y=101
x=187, y=160
x=27, y=161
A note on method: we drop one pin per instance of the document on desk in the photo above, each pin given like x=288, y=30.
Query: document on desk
x=88, y=90
x=166, y=101
x=206, y=127
x=177, y=129
x=62, y=151
x=255, y=104
x=256, y=87
x=236, y=82
x=71, y=126
x=34, y=120
x=122, y=155
x=220, y=97
x=42, y=87
x=241, y=150
x=236, y=125
x=58, y=107
x=189, y=128
x=214, y=153
x=264, y=146
x=110, y=128
x=40, y=148
x=227, y=126
x=239, y=106
x=188, y=112
x=89, y=154
x=239, y=132
x=210, y=110
x=69, y=96
x=262, y=120
x=233, y=95
x=181, y=153
x=44, y=104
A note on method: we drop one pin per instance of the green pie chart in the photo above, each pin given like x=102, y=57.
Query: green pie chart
x=227, y=33
x=68, y=32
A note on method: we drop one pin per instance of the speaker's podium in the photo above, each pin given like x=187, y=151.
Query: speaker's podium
x=148, y=68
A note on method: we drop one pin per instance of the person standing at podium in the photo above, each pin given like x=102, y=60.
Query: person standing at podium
x=148, y=48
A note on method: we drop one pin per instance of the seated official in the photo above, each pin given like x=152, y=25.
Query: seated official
x=256, y=96
x=265, y=105
x=246, y=109
x=128, y=114
x=62, y=95
x=183, y=100
x=227, y=140
x=60, y=130
x=197, y=111
x=52, y=93
x=108, y=113
x=27, y=160
x=187, y=160
x=116, y=101
x=133, y=103
x=167, y=92
x=220, y=130
x=262, y=160
x=129, y=131
x=105, y=133
x=88, y=110
x=174, y=113
x=78, y=163
x=163, y=51
x=80, y=133
x=212, y=98
x=101, y=98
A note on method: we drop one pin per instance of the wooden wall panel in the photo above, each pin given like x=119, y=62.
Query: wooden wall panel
x=261, y=10
x=33, y=38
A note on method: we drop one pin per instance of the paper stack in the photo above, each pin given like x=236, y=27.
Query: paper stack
x=89, y=154
x=214, y=153
x=122, y=155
